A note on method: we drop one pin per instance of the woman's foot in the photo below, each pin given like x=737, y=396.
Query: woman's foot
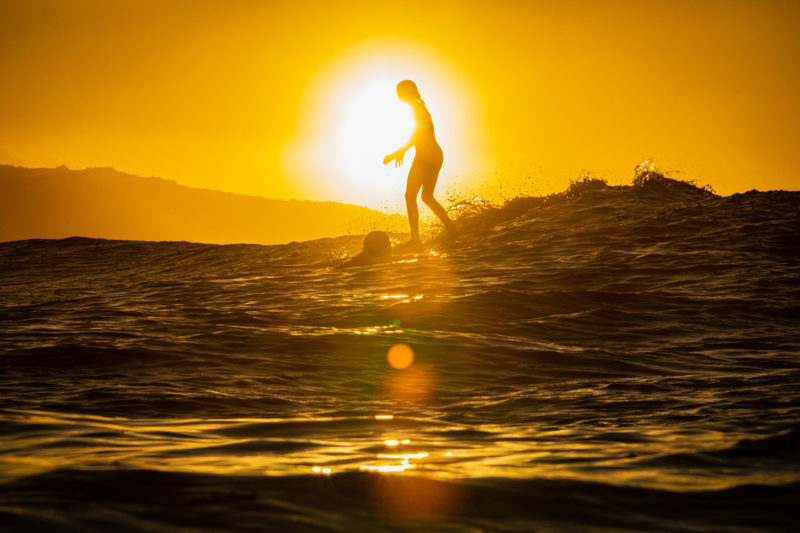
x=415, y=242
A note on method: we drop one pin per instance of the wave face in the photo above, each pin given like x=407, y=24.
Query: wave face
x=608, y=358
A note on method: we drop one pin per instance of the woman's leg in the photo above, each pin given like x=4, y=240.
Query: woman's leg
x=428, y=185
x=413, y=185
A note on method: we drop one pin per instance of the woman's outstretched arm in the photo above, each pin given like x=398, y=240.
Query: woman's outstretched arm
x=398, y=154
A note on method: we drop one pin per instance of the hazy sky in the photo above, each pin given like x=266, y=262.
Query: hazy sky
x=285, y=99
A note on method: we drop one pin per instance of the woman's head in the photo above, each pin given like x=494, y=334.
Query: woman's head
x=407, y=91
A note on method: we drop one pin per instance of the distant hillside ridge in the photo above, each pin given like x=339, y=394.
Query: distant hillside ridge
x=53, y=203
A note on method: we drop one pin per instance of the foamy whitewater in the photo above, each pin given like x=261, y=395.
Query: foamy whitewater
x=622, y=358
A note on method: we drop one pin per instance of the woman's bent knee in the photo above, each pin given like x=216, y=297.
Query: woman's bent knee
x=429, y=199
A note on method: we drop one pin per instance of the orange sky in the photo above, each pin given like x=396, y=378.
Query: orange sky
x=249, y=97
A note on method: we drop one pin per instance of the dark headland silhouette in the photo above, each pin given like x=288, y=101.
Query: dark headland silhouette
x=55, y=203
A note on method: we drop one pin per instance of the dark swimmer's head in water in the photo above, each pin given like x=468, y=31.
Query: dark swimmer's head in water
x=377, y=249
x=407, y=91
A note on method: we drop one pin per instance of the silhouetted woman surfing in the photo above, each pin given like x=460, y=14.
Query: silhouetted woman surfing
x=426, y=165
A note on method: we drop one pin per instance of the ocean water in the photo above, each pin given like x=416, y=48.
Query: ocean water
x=610, y=358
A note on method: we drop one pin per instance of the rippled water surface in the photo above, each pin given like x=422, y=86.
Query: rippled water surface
x=609, y=358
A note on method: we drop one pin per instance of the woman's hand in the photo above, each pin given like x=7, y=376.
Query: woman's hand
x=397, y=157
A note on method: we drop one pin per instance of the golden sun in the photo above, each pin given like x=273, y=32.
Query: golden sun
x=353, y=119
x=372, y=123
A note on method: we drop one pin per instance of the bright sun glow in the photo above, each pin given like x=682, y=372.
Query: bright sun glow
x=373, y=122
x=354, y=119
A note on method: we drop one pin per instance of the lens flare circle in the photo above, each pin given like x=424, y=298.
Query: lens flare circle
x=400, y=356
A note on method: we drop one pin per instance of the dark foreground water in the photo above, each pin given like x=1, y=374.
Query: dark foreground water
x=608, y=358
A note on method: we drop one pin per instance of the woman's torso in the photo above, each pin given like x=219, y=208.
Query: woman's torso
x=427, y=147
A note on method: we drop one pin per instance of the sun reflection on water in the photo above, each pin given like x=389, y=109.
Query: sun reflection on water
x=384, y=443
x=420, y=455
x=388, y=468
x=395, y=442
